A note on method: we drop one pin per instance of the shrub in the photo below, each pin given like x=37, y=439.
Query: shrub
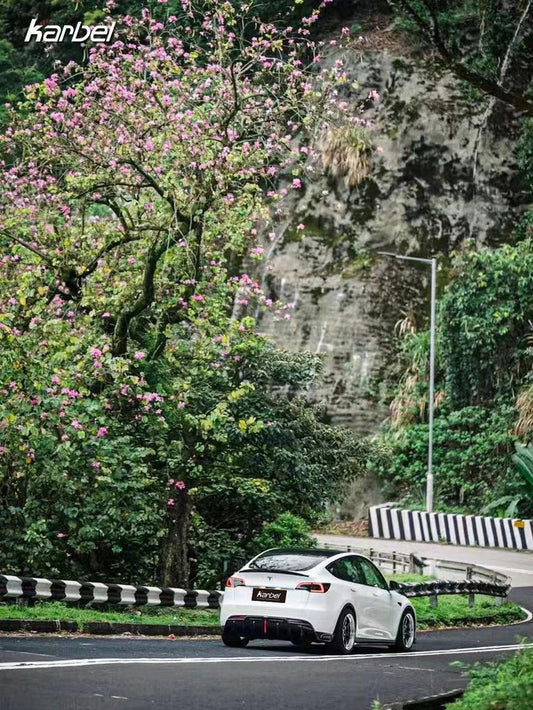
x=287, y=530
x=500, y=686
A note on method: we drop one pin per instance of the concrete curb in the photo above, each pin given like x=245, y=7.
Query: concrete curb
x=106, y=628
x=433, y=702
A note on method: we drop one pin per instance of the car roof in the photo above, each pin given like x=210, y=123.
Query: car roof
x=304, y=551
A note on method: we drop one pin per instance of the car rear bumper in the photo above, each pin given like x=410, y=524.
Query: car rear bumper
x=275, y=628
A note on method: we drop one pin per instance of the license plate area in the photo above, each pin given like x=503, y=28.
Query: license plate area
x=277, y=596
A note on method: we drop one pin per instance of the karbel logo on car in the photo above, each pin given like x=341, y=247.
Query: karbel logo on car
x=77, y=33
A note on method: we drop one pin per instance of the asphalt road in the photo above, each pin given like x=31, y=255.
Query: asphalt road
x=516, y=565
x=68, y=673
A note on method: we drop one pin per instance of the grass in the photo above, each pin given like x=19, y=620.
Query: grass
x=128, y=615
x=506, y=685
x=453, y=610
x=410, y=577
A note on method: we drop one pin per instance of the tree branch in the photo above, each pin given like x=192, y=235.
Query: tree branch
x=155, y=185
x=483, y=83
x=27, y=246
x=120, y=335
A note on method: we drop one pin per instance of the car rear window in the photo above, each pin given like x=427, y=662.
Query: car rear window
x=288, y=561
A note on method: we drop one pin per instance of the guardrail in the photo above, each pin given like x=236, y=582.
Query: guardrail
x=84, y=593
x=438, y=588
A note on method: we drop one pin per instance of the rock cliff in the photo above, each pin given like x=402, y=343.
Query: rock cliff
x=444, y=172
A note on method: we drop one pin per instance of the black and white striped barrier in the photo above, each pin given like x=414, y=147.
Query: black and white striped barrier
x=12, y=587
x=386, y=521
x=438, y=588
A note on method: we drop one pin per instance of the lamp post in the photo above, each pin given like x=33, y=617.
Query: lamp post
x=433, y=264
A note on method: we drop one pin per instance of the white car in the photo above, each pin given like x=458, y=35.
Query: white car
x=307, y=596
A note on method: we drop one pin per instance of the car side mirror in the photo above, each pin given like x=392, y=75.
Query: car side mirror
x=393, y=585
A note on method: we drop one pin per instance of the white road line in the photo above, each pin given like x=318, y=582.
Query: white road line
x=528, y=617
x=80, y=662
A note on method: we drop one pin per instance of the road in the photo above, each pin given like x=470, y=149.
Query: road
x=86, y=673
x=516, y=565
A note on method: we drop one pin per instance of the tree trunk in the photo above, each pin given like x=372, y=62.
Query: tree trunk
x=175, y=560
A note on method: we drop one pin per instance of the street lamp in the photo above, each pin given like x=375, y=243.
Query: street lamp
x=433, y=264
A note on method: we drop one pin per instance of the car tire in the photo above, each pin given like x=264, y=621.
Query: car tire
x=234, y=641
x=406, y=636
x=343, y=641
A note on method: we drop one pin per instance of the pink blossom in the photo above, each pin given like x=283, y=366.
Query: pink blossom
x=300, y=227
x=170, y=502
x=139, y=355
x=95, y=464
x=180, y=485
x=61, y=535
x=296, y=184
x=102, y=431
x=76, y=424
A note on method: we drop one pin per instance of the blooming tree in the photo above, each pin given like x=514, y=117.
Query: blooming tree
x=134, y=190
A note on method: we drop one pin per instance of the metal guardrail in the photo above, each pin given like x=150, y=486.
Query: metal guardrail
x=83, y=593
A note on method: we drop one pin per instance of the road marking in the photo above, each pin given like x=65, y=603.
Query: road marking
x=80, y=662
x=528, y=617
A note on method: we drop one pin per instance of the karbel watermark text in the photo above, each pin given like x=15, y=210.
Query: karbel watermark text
x=77, y=33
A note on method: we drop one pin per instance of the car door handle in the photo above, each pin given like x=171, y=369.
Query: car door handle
x=352, y=589
x=375, y=594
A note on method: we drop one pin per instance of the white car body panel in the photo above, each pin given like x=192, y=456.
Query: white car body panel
x=378, y=611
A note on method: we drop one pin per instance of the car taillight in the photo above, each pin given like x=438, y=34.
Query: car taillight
x=235, y=582
x=317, y=587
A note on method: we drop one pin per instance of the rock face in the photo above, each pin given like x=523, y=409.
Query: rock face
x=445, y=174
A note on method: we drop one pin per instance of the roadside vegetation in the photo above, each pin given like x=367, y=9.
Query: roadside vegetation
x=506, y=685
x=483, y=421
x=52, y=611
x=453, y=610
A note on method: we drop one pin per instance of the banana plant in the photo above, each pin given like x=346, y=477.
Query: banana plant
x=523, y=460
x=507, y=507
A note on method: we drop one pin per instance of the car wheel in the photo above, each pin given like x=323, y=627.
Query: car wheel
x=229, y=639
x=344, y=635
x=405, y=637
